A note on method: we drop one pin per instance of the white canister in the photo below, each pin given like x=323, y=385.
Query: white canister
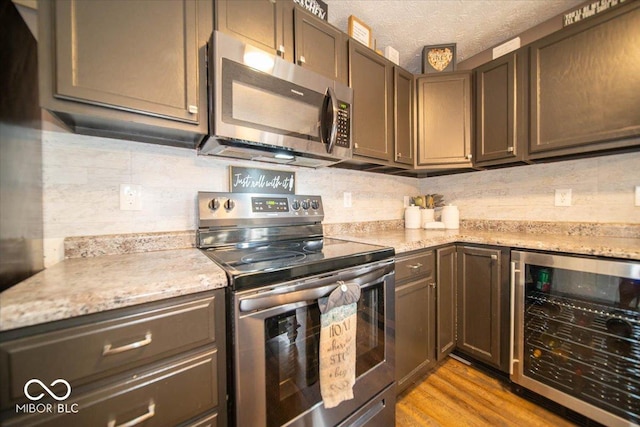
x=428, y=215
x=412, y=217
x=451, y=217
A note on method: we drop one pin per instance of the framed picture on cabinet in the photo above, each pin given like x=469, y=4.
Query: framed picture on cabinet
x=439, y=58
x=360, y=31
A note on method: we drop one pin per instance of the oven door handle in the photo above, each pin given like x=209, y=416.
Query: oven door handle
x=261, y=302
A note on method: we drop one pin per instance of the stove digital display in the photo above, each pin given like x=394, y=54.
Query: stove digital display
x=265, y=204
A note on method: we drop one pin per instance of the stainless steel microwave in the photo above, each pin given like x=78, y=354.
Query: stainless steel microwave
x=267, y=109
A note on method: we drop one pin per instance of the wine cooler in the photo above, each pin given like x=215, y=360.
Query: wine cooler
x=575, y=333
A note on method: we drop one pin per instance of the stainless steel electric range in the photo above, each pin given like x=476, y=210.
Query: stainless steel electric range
x=279, y=263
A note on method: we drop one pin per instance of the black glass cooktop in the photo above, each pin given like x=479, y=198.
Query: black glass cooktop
x=251, y=267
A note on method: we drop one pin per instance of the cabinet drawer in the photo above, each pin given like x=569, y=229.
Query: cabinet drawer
x=419, y=265
x=86, y=353
x=165, y=396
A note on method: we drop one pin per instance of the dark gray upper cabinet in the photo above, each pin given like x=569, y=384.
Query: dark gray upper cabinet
x=444, y=120
x=501, y=95
x=447, y=275
x=281, y=28
x=266, y=24
x=415, y=317
x=371, y=77
x=483, y=304
x=133, y=69
x=403, y=116
x=320, y=46
x=585, y=81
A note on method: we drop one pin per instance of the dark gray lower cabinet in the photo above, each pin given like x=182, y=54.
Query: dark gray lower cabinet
x=447, y=274
x=415, y=317
x=483, y=304
x=162, y=363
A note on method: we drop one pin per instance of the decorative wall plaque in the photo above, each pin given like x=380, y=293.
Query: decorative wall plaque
x=262, y=181
x=439, y=58
x=360, y=31
x=317, y=7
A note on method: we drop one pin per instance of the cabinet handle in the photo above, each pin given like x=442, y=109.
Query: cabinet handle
x=273, y=1
x=415, y=266
x=509, y=149
x=151, y=411
x=302, y=60
x=107, y=350
x=494, y=257
x=468, y=156
x=281, y=50
x=433, y=285
x=192, y=109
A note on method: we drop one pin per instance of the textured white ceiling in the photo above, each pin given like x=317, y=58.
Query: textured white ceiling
x=474, y=25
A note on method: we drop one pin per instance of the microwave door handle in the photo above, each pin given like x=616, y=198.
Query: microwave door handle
x=330, y=98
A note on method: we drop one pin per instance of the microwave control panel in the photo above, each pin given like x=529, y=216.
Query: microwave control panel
x=343, y=138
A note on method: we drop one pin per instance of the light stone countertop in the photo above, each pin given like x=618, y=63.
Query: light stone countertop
x=405, y=240
x=75, y=287
x=80, y=286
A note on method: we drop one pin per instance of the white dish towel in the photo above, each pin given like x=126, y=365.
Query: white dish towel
x=338, y=319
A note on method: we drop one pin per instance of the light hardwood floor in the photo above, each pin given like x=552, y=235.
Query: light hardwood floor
x=459, y=395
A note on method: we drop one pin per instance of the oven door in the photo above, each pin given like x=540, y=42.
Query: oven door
x=277, y=339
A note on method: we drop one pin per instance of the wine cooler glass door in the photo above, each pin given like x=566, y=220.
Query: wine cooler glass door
x=577, y=332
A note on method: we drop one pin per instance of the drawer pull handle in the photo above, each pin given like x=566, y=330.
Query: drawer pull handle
x=107, y=350
x=151, y=411
x=415, y=266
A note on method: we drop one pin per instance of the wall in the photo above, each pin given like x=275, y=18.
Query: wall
x=602, y=191
x=82, y=177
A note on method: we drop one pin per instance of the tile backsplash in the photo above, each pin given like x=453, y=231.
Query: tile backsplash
x=82, y=177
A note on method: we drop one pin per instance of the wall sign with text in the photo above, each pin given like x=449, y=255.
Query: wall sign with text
x=262, y=181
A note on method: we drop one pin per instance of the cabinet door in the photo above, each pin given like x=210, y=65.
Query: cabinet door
x=370, y=76
x=415, y=326
x=403, y=116
x=135, y=55
x=320, y=46
x=500, y=97
x=585, y=84
x=447, y=272
x=483, y=305
x=444, y=120
x=266, y=24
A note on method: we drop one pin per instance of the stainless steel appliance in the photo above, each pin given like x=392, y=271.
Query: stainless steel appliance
x=265, y=108
x=279, y=263
x=576, y=336
x=21, y=224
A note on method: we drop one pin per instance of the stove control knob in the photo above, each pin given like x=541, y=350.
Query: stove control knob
x=229, y=204
x=305, y=204
x=295, y=205
x=315, y=205
x=214, y=204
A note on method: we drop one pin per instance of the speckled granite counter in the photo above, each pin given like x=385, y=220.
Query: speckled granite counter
x=81, y=286
x=404, y=240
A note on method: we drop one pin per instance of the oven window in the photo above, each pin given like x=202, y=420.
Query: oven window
x=292, y=345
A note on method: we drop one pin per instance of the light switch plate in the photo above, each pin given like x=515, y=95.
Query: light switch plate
x=563, y=197
x=637, y=203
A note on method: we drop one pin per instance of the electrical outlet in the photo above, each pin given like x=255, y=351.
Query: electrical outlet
x=346, y=198
x=563, y=197
x=130, y=197
x=637, y=203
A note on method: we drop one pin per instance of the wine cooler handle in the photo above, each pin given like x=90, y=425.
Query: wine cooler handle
x=512, y=312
